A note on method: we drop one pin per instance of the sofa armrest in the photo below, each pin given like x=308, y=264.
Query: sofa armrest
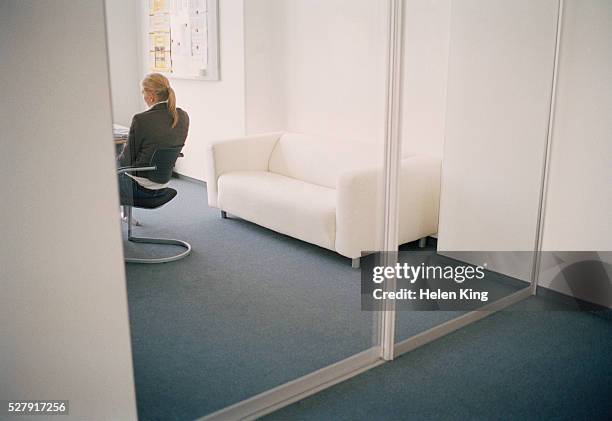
x=360, y=211
x=250, y=153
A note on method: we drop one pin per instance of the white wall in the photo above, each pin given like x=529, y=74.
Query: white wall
x=125, y=59
x=335, y=63
x=320, y=67
x=63, y=305
x=499, y=83
x=265, y=69
x=426, y=43
x=579, y=199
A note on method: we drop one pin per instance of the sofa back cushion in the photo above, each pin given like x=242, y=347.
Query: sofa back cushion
x=319, y=160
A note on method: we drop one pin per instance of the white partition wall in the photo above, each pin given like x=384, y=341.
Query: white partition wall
x=426, y=46
x=265, y=68
x=579, y=200
x=335, y=67
x=63, y=308
x=123, y=34
x=499, y=89
x=578, y=208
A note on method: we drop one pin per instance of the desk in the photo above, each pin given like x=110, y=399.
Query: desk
x=120, y=136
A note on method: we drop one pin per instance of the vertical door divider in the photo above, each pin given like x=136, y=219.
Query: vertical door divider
x=391, y=166
x=546, y=160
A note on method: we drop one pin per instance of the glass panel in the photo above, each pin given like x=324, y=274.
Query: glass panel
x=577, y=233
x=479, y=104
x=268, y=293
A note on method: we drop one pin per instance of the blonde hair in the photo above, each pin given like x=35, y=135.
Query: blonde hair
x=159, y=86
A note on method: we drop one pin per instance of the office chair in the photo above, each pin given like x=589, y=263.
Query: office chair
x=159, y=171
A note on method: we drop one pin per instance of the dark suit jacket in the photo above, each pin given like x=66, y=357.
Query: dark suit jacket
x=151, y=130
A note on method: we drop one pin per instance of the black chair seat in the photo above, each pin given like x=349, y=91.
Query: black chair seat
x=158, y=170
x=151, y=202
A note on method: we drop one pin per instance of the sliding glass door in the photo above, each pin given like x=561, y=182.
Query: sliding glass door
x=362, y=129
x=278, y=213
x=489, y=133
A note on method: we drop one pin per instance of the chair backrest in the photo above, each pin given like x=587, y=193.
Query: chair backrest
x=164, y=160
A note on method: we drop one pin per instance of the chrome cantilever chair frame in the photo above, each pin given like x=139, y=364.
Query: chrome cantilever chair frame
x=150, y=240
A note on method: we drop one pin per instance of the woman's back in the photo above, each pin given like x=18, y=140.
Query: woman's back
x=162, y=126
x=151, y=130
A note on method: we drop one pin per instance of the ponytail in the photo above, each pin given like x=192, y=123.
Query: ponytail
x=172, y=106
x=158, y=85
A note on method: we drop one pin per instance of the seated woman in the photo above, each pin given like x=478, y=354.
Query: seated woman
x=161, y=126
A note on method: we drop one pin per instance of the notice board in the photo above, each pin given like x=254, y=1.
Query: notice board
x=183, y=38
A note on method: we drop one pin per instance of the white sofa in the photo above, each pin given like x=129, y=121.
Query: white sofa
x=323, y=191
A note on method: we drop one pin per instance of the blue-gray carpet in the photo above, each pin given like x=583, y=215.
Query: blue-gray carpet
x=514, y=365
x=251, y=309
x=248, y=310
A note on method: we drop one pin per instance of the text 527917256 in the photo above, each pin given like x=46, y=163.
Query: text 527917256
x=35, y=407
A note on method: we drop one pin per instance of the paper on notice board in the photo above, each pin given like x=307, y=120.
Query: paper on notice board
x=159, y=36
x=160, y=46
x=159, y=22
x=198, y=36
x=178, y=6
x=157, y=6
x=197, y=7
x=180, y=37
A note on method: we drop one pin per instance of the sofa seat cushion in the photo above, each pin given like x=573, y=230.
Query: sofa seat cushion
x=287, y=205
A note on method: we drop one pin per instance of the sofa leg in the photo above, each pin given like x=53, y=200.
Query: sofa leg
x=223, y=215
x=423, y=242
x=355, y=263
